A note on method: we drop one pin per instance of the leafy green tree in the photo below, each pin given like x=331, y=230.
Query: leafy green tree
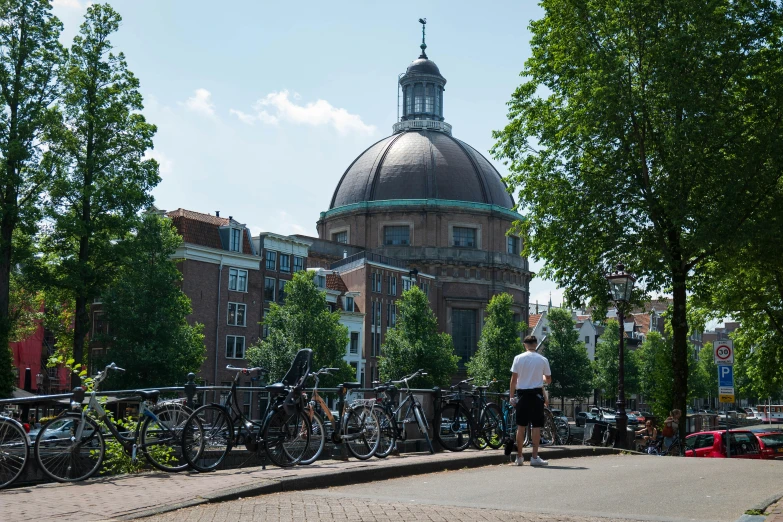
x=633, y=114
x=500, y=342
x=103, y=181
x=414, y=343
x=30, y=61
x=568, y=360
x=147, y=313
x=607, y=363
x=303, y=321
x=655, y=371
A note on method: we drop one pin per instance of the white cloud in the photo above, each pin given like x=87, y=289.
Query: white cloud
x=316, y=113
x=166, y=165
x=201, y=102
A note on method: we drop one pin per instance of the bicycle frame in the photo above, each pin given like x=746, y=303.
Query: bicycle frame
x=338, y=431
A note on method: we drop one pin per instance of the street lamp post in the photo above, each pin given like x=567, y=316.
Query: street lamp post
x=621, y=285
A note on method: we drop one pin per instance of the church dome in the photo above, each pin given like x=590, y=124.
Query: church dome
x=421, y=164
x=423, y=66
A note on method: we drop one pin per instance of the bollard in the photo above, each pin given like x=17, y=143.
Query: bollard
x=190, y=389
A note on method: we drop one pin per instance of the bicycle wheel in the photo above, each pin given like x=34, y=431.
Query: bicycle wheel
x=455, y=430
x=362, y=431
x=549, y=431
x=563, y=431
x=286, y=437
x=423, y=428
x=317, y=440
x=387, y=435
x=161, y=439
x=210, y=430
x=490, y=428
x=65, y=458
x=14, y=452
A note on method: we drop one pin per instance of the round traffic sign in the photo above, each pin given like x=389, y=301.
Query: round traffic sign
x=723, y=352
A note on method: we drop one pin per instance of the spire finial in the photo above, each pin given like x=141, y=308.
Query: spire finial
x=423, y=22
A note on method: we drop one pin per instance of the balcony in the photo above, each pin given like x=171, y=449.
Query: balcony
x=434, y=125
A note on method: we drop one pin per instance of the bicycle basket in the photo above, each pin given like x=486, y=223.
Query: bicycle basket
x=363, y=403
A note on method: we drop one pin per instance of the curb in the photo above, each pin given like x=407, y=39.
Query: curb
x=365, y=474
x=760, y=506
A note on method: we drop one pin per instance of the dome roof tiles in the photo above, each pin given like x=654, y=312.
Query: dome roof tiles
x=421, y=165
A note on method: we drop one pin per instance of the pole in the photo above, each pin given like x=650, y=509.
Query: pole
x=621, y=419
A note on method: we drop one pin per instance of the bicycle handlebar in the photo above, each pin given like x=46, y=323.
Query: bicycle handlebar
x=417, y=373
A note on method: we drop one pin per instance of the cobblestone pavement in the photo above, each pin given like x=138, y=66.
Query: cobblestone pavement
x=775, y=512
x=304, y=507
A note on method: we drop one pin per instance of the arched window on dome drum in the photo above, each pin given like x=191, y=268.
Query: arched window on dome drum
x=418, y=97
x=429, y=104
x=408, y=100
x=438, y=108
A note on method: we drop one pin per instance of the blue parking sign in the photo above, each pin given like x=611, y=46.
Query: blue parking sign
x=726, y=376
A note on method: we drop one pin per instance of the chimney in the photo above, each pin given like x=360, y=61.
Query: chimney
x=231, y=218
x=217, y=213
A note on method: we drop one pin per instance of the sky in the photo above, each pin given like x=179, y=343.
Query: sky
x=261, y=106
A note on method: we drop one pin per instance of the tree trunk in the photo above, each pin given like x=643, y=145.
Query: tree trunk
x=680, y=346
x=80, y=329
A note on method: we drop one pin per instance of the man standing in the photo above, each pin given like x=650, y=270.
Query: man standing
x=529, y=372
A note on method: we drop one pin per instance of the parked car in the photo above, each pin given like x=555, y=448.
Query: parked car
x=559, y=413
x=712, y=444
x=771, y=444
x=752, y=413
x=60, y=429
x=640, y=418
x=633, y=419
x=734, y=414
x=607, y=415
x=583, y=417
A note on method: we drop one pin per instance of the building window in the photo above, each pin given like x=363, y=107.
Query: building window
x=378, y=314
x=269, y=289
x=393, y=290
x=397, y=235
x=320, y=281
x=429, y=100
x=587, y=339
x=235, y=347
x=408, y=100
x=281, y=290
x=418, y=98
x=438, y=107
x=237, y=280
x=513, y=244
x=265, y=329
x=425, y=287
x=406, y=284
x=464, y=237
x=236, y=240
x=354, y=349
x=378, y=283
x=236, y=314
x=394, y=315
x=285, y=263
x=271, y=260
x=298, y=264
x=388, y=314
x=349, y=304
x=463, y=328
x=340, y=237
x=372, y=314
x=372, y=344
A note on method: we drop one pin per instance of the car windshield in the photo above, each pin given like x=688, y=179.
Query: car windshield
x=62, y=423
x=773, y=440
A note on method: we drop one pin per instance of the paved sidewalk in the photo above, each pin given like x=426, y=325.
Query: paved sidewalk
x=775, y=512
x=128, y=497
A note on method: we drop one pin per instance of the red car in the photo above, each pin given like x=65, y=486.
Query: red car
x=771, y=445
x=712, y=444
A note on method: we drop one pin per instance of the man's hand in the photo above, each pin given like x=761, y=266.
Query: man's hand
x=514, y=401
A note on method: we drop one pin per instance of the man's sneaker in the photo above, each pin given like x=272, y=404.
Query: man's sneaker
x=509, y=448
x=520, y=461
x=538, y=461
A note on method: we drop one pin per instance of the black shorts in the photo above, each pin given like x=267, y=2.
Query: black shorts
x=530, y=407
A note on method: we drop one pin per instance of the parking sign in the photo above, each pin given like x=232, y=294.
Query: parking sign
x=725, y=376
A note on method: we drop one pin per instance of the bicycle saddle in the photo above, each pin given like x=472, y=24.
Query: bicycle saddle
x=151, y=395
x=351, y=385
x=277, y=387
x=380, y=388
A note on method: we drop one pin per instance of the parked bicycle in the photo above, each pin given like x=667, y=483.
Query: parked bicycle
x=356, y=423
x=489, y=429
x=658, y=447
x=71, y=447
x=392, y=420
x=283, y=433
x=456, y=428
x=554, y=432
x=14, y=450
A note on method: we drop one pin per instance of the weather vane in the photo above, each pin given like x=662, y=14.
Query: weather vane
x=423, y=22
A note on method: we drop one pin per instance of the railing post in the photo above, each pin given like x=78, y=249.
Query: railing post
x=190, y=389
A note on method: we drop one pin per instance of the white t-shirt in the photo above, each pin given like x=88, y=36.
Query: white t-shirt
x=530, y=368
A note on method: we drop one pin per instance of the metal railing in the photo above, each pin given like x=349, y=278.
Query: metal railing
x=360, y=257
